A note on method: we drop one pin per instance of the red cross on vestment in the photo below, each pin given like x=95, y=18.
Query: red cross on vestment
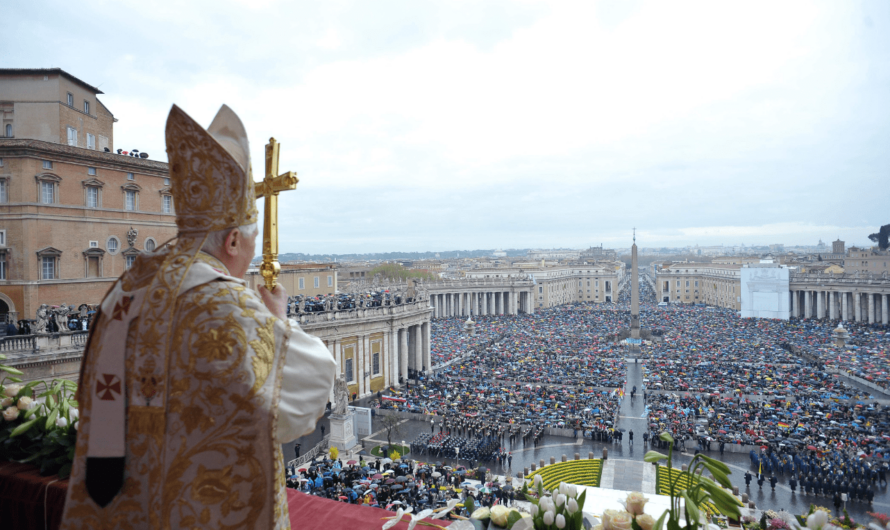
x=107, y=386
x=121, y=308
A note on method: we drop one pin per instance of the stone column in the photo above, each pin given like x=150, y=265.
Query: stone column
x=418, y=348
x=483, y=303
x=795, y=304
x=820, y=305
x=403, y=353
x=885, y=319
x=871, y=308
x=832, y=305
x=845, y=309
x=857, y=306
x=807, y=304
x=427, y=361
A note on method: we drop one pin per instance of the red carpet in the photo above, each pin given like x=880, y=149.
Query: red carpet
x=308, y=512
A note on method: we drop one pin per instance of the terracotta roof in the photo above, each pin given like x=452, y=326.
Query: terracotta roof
x=81, y=152
x=45, y=71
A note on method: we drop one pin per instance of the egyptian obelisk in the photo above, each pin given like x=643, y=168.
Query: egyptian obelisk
x=634, y=292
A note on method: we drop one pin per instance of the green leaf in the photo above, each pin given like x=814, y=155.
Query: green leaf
x=691, y=508
x=720, y=476
x=718, y=464
x=56, y=387
x=659, y=524
x=23, y=428
x=10, y=370
x=50, y=402
x=15, y=379
x=30, y=412
x=666, y=437
x=654, y=456
x=512, y=518
x=51, y=419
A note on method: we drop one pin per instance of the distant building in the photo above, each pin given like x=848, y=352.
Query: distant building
x=699, y=283
x=837, y=247
x=867, y=260
x=599, y=253
x=307, y=279
x=498, y=253
x=73, y=214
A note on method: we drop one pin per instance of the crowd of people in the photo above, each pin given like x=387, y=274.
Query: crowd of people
x=392, y=485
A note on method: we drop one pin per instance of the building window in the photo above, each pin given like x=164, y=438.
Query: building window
x=150, y=244
x=47, y=164
x=316, y=282
x=91, y=141
x=331, y=280
x=92, y=197
x=540, y=290
x=86, y=106
x=91, y=171
x=130, y=203
x=48, y=271
x=2, y=265
x=349, y=372
x=375, y=360
x=167, y=203
x=47, y=192
x=112, y=245
x=130, y=176
x=166, y=181
x=9, y=130
x=4, y=191
x=72, y=136
x=70, y=99
x=2, y=238
x=302, y=285
x=131, y=260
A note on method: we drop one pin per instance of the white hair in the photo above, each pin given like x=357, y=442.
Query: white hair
x=217, y=240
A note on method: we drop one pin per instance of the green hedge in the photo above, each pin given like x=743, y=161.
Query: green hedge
x=579, y=472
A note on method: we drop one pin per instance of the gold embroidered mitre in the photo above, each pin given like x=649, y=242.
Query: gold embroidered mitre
x=212, y=182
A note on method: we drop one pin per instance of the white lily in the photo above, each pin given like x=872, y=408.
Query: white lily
x=419, y=517
x=442, y=512
x=395, y=520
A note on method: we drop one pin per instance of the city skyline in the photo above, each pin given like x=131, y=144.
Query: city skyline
x=513, y=124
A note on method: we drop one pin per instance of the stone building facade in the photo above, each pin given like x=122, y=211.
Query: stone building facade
x=72, y=216
x=307, y=279
x=714, y=284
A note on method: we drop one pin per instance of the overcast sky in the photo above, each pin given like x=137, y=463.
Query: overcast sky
x=459, y=125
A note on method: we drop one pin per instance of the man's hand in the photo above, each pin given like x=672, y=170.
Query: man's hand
x=276, y=301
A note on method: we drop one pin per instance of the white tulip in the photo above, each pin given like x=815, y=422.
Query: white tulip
x=12, y=390
x=563, y=488
x=572, y=506
x=73, y=413
x=534, y=510
x=548, y=517
x=538, y=480
x=573, y=491
x=61, y=422
x=10, y=414
x=25, y=403
x=560, y=521
x=817, y=520
x=560, y=499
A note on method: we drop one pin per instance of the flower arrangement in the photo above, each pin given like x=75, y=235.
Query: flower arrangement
x=696, y=491
x=562, y=509
x=42, y=433
x=334, y=453
x=881, y=518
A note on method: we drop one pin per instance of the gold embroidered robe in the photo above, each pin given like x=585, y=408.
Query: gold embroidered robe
x=210, y=456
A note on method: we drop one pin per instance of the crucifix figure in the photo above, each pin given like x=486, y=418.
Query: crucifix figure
x=271, y=185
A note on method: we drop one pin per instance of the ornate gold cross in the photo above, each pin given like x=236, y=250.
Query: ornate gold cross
x=270, y=187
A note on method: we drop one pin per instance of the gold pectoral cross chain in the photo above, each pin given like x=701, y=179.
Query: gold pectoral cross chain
x=270, y=187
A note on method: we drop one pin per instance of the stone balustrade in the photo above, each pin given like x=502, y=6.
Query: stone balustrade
x=44, y=357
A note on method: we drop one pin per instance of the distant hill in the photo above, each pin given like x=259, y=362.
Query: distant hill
x=382, y=256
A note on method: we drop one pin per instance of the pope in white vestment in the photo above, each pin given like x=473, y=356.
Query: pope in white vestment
x=190, y=381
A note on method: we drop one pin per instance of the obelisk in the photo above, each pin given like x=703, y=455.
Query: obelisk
x=634, y=293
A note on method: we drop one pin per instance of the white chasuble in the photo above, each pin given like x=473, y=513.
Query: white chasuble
x=203, y=422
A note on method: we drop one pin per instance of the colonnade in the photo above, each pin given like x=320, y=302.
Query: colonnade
x=856, y=306
x=463, y=304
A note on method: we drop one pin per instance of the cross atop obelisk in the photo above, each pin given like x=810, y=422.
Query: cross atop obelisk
x=271, y=185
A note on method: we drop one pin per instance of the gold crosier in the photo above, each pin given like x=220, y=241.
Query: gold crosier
x=269, y=188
